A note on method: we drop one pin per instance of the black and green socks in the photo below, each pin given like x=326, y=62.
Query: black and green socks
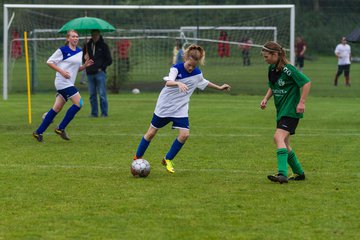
x=294, y=163
x=282, y=158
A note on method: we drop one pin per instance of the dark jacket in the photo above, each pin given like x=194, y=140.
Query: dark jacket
x=102, y=57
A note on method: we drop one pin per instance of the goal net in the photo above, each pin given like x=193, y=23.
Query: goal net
x=143, y=44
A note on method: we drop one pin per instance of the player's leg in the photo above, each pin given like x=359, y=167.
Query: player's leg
x=51, y=114
x=281, y=153
x=338, y=73
x=178, y=143
x=301, y=64
x=184, y=132
x=145, y=142
x=175, y=149
x=347, y=75
x=101, y=83
x=156, y=123
x=286, y=126
x=294, y=163
x=70, y=113
x=93, y=94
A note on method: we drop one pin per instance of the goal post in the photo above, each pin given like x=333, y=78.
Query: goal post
x=187, y=15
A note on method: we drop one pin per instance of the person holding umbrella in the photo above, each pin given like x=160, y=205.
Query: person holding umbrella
x=97, y=50
x=66, y=61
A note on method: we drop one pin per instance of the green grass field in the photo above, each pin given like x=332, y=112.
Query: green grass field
x=83, y=189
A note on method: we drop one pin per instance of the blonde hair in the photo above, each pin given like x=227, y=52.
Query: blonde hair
x=272, y=48
x=68, y=35
x=195, y=53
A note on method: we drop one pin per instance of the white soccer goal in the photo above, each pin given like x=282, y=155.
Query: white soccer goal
x=153, y=31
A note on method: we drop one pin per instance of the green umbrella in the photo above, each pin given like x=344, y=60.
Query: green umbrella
x=86, y=24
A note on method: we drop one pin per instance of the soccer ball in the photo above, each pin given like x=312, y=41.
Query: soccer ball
x=135, y=91
x=140, y=168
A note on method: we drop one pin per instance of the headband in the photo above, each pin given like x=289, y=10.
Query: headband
x=270, y=50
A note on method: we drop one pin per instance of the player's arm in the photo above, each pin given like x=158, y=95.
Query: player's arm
x=63, y=73
x=54, y=59
x=171, y=83
x=266, y=98
x=337, y=52
x=170, y=80
x=350, y=57
x=305, y=92
x=217, y=87
x=87, y=63
x=303, y=50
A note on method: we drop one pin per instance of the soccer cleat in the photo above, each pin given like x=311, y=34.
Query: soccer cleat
x=38, y=137
x=297, y=177
x=278, y=178
x=136, y=158
x=169, y=165
x=62, y=134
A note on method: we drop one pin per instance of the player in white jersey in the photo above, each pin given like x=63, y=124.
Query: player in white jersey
x=343, y=53
x=66, y=61
x=173, y=102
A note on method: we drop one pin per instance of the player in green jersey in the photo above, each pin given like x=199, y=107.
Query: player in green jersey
x=285, y=82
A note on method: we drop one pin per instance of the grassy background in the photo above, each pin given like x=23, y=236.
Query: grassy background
x=83, y=189
x=147, y=75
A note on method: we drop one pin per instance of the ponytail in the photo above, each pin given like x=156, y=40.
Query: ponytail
x=195, y=53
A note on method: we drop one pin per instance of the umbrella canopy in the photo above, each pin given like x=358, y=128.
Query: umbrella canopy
x=354, y=36
x=86, y=24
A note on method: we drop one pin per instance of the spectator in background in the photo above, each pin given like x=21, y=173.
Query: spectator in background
x=178, y=53
x=123, y=47
x=245, y=50
x=300, y=48
x=343, y=53
x=223, y=48
x=97, y=50
x=16, y=50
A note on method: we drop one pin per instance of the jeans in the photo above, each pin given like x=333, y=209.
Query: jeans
x=97, y=84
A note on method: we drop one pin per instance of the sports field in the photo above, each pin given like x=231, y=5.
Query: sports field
x=83, y=189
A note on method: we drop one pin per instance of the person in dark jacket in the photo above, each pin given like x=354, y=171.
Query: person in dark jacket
x=97, y=50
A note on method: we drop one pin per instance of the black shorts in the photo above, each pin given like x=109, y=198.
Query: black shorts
x=288, y=124
x=299, y=61
x=343, y=68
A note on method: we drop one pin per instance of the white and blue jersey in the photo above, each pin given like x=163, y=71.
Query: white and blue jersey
x=174, y=103
x=68, y=60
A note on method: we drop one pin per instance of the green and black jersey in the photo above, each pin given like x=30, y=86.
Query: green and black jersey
x=285, y=86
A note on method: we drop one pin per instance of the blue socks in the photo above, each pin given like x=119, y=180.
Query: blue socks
x=70, y=114
x=47, y=121
x=143, y=145
x=175, y=148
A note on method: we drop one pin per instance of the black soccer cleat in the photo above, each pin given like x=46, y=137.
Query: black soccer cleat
x=297, y=177
x=62, y=134
x=38, y=137
x=278, y=178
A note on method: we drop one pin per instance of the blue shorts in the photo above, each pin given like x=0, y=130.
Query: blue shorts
x=158, y=122
x=67, y=93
